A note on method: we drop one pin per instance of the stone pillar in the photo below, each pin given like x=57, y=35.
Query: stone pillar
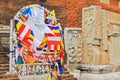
x=91, y=33
x=101, y=44
x=73, y=46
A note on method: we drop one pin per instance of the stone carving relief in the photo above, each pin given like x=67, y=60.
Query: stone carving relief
x=100, y=32
x=91, y=32
x=73, y=45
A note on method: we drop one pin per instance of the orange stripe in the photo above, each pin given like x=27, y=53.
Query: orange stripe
x=23, y=18
x=57, y=34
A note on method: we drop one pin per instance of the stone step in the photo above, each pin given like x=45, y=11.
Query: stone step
x=2, y=72
x=10, y=79
x=8, y=75
x=4, y=65
x=4, y=69
x=3, y=52
x=70, y=79
x=4, y=62
x=4, y=59
x=66, y=72
x=106, y=76
x=64, y=69
x=96, y=69
x=65, y=76
x=3, y=55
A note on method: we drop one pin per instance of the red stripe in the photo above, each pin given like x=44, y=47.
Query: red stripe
x=55, y=43
x=22, y=27
x=25, y=39
x=26, y=43
x=27, y=34
x=49, y=34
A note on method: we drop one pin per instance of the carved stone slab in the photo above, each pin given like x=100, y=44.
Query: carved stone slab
x=73, y=46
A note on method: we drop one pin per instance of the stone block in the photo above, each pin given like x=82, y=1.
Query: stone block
x=73, y=46
x=77, y=74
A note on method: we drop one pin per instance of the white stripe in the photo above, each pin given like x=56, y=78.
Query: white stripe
x=30, y=41
x=54, y=38
x=36, y=43
x=52, y=47
x=22, y=35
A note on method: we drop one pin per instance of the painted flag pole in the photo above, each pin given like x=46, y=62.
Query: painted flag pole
x=11, y=44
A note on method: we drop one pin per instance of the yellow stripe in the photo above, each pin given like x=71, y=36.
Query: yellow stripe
x=58, y=47
x=49, y=53
x=44, y=39
x=18, y=25
x=62, y=44
x=56, y=31
x=31, y=36
x=43, y=44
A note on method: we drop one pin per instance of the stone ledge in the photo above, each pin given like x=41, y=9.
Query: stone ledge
x=107, y=76
x=98, y=69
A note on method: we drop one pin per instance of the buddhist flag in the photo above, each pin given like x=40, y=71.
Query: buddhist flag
x=53, y=14
x=55, y=29
x=25, y=34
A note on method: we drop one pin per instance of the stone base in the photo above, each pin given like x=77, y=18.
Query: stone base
x=99, y=69
x=107, y=76
x=99, y=72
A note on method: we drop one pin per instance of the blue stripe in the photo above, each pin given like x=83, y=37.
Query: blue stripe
x=60, y=32
x=16, y=21
x=32, y=33
x=39, y=49
x=55, y=28
x=41, y=5
x=27, y=11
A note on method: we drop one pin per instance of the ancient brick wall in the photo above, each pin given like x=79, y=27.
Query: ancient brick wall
x=8, y=8
x=68, y=11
